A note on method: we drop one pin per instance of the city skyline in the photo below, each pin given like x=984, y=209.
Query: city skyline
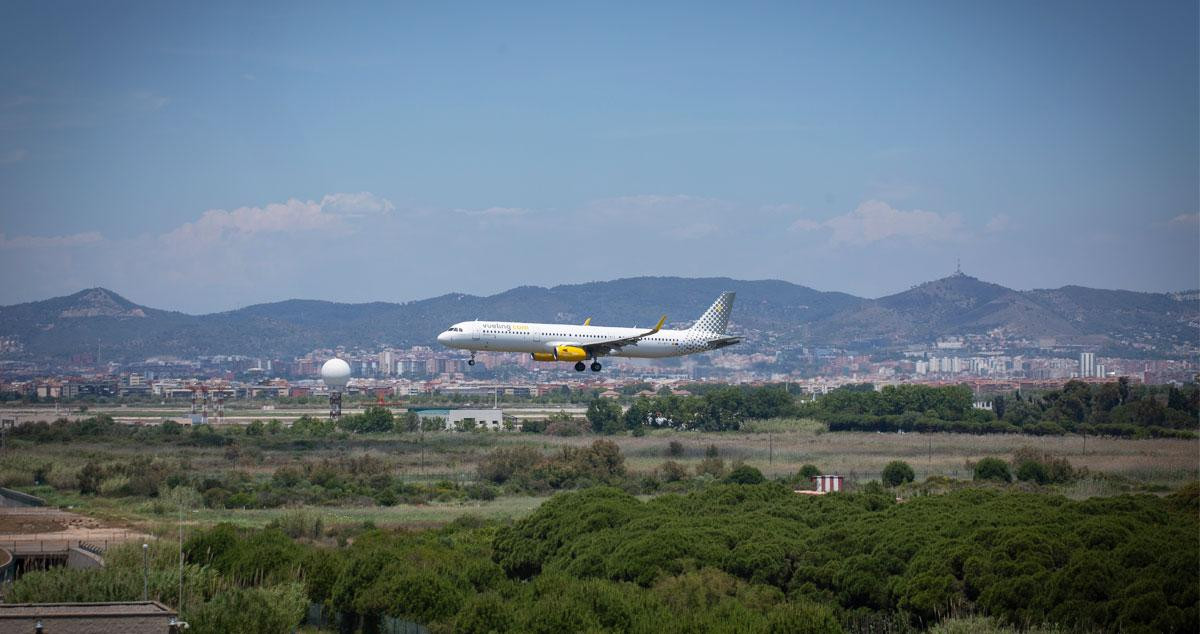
x=202, y=158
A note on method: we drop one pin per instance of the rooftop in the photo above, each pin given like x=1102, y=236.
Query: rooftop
x=124, y=608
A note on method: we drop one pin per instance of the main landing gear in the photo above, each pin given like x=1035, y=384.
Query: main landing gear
x=595, y=366
x=580, y=367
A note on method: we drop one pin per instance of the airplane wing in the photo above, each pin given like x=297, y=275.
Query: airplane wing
x=600, y=348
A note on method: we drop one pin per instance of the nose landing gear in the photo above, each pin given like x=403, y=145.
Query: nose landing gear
x=471, y=361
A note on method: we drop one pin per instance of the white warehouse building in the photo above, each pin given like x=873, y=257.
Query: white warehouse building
x=461, y=418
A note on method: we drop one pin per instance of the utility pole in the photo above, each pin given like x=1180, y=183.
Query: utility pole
x=771, y=454
x=145, y=572
x=179, y=609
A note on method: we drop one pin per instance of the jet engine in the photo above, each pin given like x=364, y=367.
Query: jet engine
x=562, y=353
x=570, y=353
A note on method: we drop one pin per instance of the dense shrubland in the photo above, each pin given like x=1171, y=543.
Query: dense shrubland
x=730, y=557
x=1127, y=563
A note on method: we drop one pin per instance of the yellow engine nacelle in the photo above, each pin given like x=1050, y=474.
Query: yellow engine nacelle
x=562, y=353
x=570, y=353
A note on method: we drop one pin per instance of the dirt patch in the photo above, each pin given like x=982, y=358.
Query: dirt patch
x=27, y=524
x=41, y=520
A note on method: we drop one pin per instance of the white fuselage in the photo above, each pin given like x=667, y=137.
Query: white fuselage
x=502, y=336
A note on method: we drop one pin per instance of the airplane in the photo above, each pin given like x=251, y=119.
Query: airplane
x=567, y=342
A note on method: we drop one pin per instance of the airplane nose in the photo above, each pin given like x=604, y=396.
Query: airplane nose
x=444, y=338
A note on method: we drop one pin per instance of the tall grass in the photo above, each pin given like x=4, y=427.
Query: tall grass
x=781, y=425
x=210, y=602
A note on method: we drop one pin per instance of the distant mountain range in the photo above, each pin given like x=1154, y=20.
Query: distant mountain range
x=770, y=313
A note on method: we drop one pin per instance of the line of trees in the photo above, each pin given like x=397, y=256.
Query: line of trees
x=722, y=408
x=1116, y=408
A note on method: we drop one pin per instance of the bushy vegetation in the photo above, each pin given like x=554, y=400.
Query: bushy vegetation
x=897, y=472
x=1128, y=563
x=213, y=602
x=1033, y=465
x=1114, y=409
x=527, y=469
x=722, y=408
x=992, y=469
x=726, y=551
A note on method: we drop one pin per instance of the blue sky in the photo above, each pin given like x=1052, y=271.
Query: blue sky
x=206, y=156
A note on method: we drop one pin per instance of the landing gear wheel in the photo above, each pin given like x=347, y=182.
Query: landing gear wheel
x=470, y=361
x=580, y=367
x=595, y=366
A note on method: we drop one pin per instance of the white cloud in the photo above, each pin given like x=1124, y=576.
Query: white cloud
x=1185, y=220
x=218, y=225
x=875, y=220
x=15, y=155
x=356, y=205
x=998, y=223
x=41, y=242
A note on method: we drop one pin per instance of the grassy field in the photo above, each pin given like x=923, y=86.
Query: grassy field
x=401, y=515
x=861, y=456
x=777, y=448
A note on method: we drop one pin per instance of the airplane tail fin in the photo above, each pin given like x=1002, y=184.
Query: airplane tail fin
x=716, y=318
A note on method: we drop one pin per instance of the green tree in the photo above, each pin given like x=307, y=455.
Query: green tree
x=89, y=478
x=638, y=413
x=745, y=474
x=376, y=419
x=409, y=422
x=1032, y=471
x=672, y=471
x=992, y=469
x=998, y=406
x=897, y=472
x=604, y=416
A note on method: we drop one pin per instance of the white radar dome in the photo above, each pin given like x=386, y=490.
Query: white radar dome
x=335, y=373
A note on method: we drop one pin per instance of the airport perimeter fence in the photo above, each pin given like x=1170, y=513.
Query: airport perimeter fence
x=94, y=544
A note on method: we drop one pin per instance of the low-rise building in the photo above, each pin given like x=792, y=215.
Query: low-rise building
x=459, y=419
x=130, y=617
